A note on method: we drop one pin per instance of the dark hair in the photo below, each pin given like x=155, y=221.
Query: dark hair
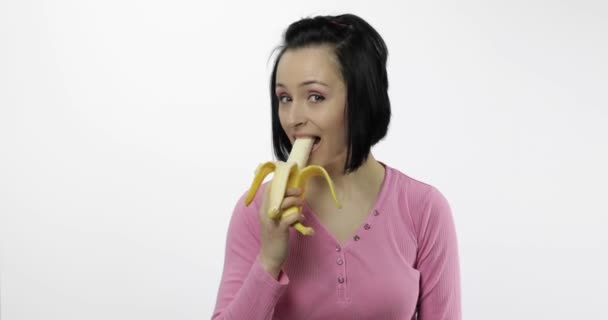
x=361, y=54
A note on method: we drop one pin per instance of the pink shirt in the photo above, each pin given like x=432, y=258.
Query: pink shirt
x=401, y=261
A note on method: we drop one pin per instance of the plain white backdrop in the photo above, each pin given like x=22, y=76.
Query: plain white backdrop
x=128, y=129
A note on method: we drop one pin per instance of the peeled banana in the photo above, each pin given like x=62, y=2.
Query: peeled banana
x=293, y=174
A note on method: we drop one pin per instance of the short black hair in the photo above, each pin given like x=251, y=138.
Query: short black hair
x=361, y=54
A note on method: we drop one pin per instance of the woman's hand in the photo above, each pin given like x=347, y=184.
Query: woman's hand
x=274, y=233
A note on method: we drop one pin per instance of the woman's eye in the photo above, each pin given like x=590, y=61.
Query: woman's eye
x=282, y=99
x=317, y=98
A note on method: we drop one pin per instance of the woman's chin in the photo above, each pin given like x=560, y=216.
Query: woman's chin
x=314, y=160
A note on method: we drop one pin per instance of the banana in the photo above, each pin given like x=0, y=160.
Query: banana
x=293, y=174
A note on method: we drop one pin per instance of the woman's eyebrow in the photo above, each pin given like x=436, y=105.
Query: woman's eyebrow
x=305, y=83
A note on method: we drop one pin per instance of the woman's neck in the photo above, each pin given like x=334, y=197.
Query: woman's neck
x=350, y=185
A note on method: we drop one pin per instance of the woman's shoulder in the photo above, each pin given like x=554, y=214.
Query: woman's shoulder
x=422, y=203
x=249, y=200
x=246, y=206
x=415, y=191
x=406, y=182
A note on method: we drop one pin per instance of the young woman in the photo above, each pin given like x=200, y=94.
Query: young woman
x=390, y=251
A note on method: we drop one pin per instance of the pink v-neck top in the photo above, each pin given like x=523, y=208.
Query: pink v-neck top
x=402, y=261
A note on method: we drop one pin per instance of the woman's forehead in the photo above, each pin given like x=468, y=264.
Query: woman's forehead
x=307, y=64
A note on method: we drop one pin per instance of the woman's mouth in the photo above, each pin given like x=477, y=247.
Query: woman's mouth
x=315, y=146
x=316, y=142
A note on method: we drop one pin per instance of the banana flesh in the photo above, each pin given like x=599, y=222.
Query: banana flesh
x=290, y=174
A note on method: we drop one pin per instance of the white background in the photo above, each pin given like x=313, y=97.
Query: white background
x=128, y=129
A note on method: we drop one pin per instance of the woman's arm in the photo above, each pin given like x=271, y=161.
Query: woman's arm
x=438, y=261
x=246, y=290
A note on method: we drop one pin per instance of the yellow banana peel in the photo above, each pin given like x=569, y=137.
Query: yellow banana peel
x=290, y=174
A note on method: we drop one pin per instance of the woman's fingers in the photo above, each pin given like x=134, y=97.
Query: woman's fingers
x=291, y=199
x=291, y=202
x=293, y=192
x=289, y=219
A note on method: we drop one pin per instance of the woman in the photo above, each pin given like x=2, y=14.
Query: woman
x=390, y=251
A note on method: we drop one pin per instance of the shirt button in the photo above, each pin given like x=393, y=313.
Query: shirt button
x=367, y=226
x=338, y=249
x=376, y=212
x=357, y=238
x=340, y=262
x=340, y=280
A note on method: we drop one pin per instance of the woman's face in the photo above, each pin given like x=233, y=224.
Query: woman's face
x=312, y=99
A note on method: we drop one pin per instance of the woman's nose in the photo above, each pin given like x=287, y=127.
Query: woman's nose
x=296, y=115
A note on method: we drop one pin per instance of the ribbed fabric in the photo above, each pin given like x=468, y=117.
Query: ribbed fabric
x=401, y=263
